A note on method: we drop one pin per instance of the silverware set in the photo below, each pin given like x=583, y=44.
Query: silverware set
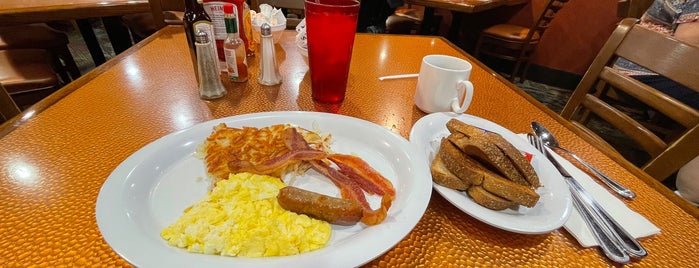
x=550, y=142
x=615, y=242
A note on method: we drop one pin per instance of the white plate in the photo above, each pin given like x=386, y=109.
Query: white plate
x=151, y=188
x=554, y=206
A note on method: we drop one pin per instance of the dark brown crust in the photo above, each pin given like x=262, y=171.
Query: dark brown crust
x=488, y=200
x=459, y=164
x=333, y=210
x=519, y=161
x=455, y=126
x=504, y=188
x=483, y=150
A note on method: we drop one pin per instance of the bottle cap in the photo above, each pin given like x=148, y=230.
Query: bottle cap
x=227, y=8
x=265, y=29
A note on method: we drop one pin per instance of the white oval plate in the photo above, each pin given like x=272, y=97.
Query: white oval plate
x=554, y=206
x=151, y=188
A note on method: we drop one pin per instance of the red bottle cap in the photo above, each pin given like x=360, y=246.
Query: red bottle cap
x=227, y=8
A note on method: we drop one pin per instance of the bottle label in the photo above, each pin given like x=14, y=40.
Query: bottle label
x=231, y=63
x=206, y=27
x=215, y=11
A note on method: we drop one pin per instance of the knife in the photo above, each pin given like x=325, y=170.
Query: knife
x=616, y=243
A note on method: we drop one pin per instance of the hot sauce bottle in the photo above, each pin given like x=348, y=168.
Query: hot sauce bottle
x=215, y=10
x=234, y=47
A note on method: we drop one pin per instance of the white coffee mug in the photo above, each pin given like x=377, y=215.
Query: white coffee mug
x=442, y=83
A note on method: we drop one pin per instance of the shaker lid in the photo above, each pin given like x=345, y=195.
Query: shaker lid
x=265, y=29
x=201, y=37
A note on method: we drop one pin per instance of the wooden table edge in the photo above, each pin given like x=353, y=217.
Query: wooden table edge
x=28, y=114
x=80, y=11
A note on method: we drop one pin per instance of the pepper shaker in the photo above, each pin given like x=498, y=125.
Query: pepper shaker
x=210, y=86
x=269, y=72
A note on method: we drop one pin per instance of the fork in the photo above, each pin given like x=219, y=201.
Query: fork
x=617, y=244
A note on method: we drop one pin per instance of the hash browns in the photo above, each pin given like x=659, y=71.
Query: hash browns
x=254, y=145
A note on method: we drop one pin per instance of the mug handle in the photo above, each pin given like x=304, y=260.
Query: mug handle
x=463, y=87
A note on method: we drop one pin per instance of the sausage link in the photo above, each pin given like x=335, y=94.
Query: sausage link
x=327, y=208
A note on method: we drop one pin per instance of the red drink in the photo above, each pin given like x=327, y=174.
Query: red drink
x=330, y=29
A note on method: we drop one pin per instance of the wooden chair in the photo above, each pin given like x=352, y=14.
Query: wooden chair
x=8, y=107
x=41, y=36
x=661, y=54
x=163, y=12
x=409, y=19
x=516, y=43
x=27, y=75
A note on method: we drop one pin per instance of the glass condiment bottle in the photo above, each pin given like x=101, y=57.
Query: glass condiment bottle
x=195, y=20
x=269, y=71
x=234, y=48
x=210, y=86
x=247, y=30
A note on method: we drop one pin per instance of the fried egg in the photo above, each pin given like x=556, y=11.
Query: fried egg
x=240, y=216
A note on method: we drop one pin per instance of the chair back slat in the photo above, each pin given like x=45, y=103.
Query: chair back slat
x=8, y=108
x=157, y=8
x=674, y=109
x=659, y=53
x=663, y=55
x=646, y=138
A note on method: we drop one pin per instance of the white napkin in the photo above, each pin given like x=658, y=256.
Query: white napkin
x=272, y=16
x=634, y=223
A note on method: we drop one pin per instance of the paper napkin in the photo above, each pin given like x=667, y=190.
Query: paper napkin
x=634, y=223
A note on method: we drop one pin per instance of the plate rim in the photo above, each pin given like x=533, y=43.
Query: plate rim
x=417, y=200
x=487, y=218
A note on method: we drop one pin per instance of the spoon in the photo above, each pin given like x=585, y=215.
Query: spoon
x=551, y=142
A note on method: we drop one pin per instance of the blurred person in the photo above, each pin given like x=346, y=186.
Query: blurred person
x=373, y=14
x=677, y=18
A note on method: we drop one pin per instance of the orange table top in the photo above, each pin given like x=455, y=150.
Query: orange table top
x=55, y=156
x=31, y=11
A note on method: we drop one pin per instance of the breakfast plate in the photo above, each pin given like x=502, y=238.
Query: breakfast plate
x=151, y=188
x=554, y=206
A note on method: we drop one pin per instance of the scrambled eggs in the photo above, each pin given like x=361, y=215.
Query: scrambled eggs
x=241, y=217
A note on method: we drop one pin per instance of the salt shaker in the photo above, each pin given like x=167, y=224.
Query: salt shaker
x=269, y=72
x=210, y=86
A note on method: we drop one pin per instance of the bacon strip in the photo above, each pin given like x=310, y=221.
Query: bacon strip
x=358, y=170
x=299, y=150
x=353, y=192
x=348, y=188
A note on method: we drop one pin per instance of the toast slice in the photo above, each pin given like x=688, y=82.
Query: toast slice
x=442, y=176
x=520, y=162
x=482, y=149
x=475, y=174
x=458, y=163
x=509, y=190
x=456, y=126
x=487, y=199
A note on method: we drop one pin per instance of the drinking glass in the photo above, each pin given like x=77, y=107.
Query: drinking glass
x=330, y=29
